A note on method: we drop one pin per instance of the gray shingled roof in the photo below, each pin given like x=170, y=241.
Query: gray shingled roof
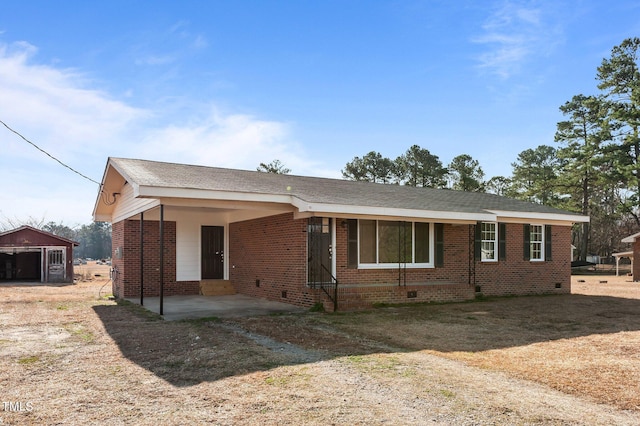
x=318, y=190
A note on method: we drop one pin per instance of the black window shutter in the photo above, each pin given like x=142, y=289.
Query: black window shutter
x=502, y=241
x=439, y=261
x=352, y=243
x=547, y=242
x=527, y=242
x=477, y=246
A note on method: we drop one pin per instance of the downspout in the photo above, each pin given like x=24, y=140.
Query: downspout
x=161, y=259
x=472, y=255
x=399, y=258
x=141, y=258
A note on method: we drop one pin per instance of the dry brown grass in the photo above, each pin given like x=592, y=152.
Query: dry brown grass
x=79, y=358
x=91, y=272
x=586, y=344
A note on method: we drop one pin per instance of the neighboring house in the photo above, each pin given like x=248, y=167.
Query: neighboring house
x=635, y=250
x=30, y=254
x=294, y=238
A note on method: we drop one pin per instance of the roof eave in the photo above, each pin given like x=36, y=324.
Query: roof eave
x=40, y=231
x=521, y=217
x=146, y=191
x=340, y=210
x=98, y=215
x=631, y=238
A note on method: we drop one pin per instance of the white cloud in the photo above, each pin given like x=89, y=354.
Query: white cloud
x=62, y=112
x=515, y=33
x=181, y=29
x=200, y=42
x=155, y=60
x=223, y=140
x=170, y=47
x=55, y=108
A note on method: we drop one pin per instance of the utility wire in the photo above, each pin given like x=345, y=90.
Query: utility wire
x=47, y=154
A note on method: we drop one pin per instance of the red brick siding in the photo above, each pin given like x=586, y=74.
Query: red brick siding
x=364, y=297
x=272, y=250
x=126, y=236
x=636, y=260
x=362, y=288
x=455, y=270
x=517, y=276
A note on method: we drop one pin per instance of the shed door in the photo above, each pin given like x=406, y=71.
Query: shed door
x=212, y=252
x=55, y=265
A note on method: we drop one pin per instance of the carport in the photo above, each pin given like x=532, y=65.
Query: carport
x=618, y=256
x=227, y=306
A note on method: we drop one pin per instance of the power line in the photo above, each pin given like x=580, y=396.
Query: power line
x=48, y=155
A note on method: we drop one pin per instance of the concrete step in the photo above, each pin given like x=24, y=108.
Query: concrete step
x=216, y=287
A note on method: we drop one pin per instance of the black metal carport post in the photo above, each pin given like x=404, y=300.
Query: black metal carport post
x=142, y=259
x=161, y=258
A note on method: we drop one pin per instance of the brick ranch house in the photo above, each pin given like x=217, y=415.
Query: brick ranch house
x=30, y=254
x=306, y=240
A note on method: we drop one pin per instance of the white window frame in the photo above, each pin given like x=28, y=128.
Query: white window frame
x=533, y=243
x=408, y=265
x=493, y=241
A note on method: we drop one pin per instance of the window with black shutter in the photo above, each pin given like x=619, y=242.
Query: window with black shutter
x=352, y=243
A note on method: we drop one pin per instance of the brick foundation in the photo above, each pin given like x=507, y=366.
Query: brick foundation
x=367, y=296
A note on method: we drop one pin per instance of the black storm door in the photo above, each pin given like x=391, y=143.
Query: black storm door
x=319, y=250
x=212, y=252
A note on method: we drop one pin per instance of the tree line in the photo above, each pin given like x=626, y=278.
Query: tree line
x=592, y=167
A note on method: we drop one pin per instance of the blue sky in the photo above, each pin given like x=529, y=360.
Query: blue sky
x=311, y=83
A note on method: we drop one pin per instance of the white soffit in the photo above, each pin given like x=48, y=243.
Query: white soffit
x=340, y=210
x=521, y=217
x=207, y=194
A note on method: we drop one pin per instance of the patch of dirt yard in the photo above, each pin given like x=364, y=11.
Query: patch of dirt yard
x=69, y=356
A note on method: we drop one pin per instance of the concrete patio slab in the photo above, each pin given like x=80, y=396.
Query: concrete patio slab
x=236, y=305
